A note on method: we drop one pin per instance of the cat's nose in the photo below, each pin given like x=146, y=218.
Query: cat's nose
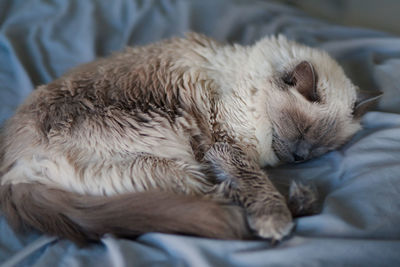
x=302, y=151
x=298, y=158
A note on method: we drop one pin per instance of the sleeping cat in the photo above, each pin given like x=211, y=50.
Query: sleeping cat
x=172, y=137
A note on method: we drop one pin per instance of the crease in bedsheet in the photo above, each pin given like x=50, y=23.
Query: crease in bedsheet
x=21, y=255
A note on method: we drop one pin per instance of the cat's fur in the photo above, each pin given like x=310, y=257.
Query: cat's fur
x=167, y=137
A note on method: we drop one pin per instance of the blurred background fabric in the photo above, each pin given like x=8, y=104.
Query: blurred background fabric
x=359, y=184
x=381, y=15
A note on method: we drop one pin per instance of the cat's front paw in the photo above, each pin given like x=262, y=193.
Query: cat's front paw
x=273, y=226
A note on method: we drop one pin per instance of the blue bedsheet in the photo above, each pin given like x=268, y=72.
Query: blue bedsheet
x=359, y=184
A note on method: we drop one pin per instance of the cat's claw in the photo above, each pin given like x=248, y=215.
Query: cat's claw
x=274, y=226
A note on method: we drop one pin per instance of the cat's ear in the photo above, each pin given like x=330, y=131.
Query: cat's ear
x=304, y=79
x=365, y=101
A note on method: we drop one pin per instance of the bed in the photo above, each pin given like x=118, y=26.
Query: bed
x=358, y=185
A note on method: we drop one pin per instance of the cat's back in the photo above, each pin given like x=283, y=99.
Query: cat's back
x=139, y=78
x=130, y=103
x=140, y=83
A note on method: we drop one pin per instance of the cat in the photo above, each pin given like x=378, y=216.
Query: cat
x=172, y=137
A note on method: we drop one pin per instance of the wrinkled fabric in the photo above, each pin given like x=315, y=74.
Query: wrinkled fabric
x=358, y=185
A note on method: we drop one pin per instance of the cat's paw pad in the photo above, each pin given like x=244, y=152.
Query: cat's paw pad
x=274, y=226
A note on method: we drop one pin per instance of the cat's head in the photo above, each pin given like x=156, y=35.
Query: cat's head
x=311, y=105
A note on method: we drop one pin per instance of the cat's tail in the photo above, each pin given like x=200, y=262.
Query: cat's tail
x=83, y=218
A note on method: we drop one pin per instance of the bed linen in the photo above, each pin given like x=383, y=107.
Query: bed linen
x=358, y=185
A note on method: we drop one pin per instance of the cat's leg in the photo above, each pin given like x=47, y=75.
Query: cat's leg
x=244, y=182
x=144, y=172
